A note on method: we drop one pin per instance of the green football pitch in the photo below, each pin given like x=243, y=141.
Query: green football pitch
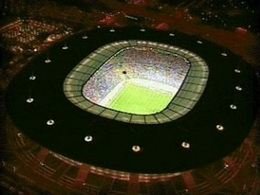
x=137, y=99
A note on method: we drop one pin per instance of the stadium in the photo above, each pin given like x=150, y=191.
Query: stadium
x=131, y=110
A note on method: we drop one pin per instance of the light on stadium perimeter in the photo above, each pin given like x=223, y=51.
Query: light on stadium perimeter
x=136, y=148
x=185, y=145
x=30, y=100
x=64, y=47
x=233, y=107
x=237, y=71
x=50, y=122
x=199, y=42
x=32, y=77
x=47, y=60
x=84, y=37
x=220, y=127
x=88, y=138
x=137, y=81
x=238, y=88
x=224, y=54
x=226, y=165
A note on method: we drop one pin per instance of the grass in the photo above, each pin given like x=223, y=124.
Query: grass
x=136, y=99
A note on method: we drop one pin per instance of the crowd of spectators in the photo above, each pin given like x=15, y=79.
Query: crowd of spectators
x=136, y=63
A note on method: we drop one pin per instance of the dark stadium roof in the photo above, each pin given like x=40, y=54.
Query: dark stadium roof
x=215, y=127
